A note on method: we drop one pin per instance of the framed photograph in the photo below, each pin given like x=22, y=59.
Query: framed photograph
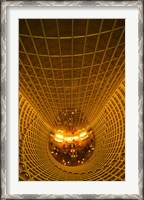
x=72, y=100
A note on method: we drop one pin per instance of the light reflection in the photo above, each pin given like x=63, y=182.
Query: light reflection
x=83, y=134
x=59, y=136
x=58, y=140
x=79, y=135
x=72, y=148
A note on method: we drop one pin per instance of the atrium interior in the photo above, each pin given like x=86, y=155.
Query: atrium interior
x=71, y=99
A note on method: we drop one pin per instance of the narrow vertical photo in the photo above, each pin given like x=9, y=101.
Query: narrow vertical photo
x=71, y=99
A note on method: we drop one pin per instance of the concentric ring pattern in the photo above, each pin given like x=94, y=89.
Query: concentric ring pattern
x=79, y=65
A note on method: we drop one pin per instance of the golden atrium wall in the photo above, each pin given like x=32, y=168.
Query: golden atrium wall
x=72, y=78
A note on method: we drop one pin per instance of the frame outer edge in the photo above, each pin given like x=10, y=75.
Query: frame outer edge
x=4, y=5
x=140, y=100
x=3, y=100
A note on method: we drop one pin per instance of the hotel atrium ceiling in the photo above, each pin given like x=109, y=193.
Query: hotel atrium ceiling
x=71, y=76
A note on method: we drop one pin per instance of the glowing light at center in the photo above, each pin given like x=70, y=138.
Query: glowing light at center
x=60, y=136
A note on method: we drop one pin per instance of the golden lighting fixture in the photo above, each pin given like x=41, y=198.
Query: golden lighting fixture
x=62, y=136
x=72, y=149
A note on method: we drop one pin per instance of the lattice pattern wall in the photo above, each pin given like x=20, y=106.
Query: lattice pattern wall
x=75, y=64
x=107, y=162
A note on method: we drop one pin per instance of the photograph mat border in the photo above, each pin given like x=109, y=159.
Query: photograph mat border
x=3, y=97
x=130, y=184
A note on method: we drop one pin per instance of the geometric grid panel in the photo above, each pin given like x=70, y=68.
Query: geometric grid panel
x=70, y=64
x=73, y=69
x=107, y=163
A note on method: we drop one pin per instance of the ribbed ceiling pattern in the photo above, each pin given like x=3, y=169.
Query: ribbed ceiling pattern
x=75, y=65
x=72, y=64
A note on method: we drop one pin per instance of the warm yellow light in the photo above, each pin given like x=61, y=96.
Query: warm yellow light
x=85, y=137
x=68, y=138
x=60, y=131
x=83, y=134
x=59, y=136
x=71, y=138
x=75, y=137
x=58, y=140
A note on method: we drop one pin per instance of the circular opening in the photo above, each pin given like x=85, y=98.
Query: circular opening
x=73, y=148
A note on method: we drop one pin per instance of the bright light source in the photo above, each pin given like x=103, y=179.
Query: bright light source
x=58, y=140
x=68, y=138
x=59, y=136
x=60, y=131
x=84, y=138
x=75, y=137
x=83, y=134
